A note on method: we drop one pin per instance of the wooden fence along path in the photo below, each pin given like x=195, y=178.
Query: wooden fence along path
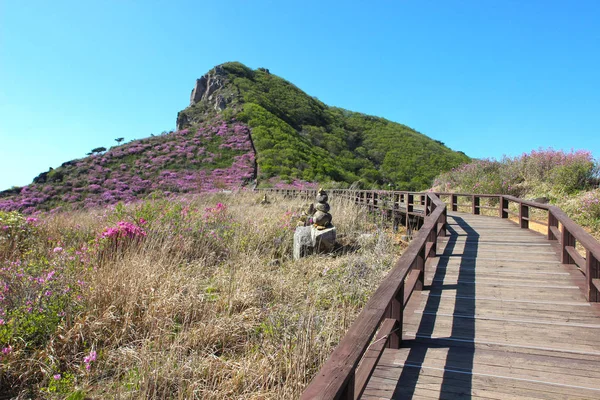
x=477, y=306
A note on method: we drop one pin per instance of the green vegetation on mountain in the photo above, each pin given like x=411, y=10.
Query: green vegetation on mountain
x=298, y=136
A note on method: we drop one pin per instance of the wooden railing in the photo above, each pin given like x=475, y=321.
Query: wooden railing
x=348, y=369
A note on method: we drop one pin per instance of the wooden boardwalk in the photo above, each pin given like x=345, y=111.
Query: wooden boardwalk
x=499, y=318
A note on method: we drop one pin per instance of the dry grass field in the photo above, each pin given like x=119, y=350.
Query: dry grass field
x=190, y=298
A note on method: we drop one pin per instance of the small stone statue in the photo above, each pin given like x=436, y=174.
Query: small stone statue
x=322, y=218
x=265, y=200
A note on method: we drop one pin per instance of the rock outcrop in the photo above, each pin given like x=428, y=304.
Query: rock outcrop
x=208, y=93
x=207, y=85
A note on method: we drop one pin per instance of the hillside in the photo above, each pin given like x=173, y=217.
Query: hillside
x=243, y=125
x=217, y=155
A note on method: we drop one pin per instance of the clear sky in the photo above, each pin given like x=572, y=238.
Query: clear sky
x=490, y=78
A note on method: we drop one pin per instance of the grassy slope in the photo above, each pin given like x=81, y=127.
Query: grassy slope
x=297, y=136
x=206, y=305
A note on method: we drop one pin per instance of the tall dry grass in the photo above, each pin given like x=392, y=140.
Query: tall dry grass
x=226, y=314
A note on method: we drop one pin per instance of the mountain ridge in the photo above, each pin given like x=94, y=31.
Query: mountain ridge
x=244, y=126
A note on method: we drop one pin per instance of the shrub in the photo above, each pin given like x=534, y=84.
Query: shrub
x=15, y=233
x=590, y=208
x=553, y=171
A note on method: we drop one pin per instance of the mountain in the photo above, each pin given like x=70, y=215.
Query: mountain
x=241, y=126
x=297, y=136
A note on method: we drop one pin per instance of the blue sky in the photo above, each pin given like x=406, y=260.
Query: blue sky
x=490, y=78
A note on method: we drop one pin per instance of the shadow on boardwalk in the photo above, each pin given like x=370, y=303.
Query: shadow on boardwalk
x=457, y=379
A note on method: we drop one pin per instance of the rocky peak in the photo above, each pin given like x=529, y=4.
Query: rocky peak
x=207, y=85
x=212, y=91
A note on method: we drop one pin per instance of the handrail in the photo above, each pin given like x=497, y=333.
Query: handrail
x=346, y=372
x=341, y=377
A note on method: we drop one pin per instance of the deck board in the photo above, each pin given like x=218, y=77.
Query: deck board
x=499, y=318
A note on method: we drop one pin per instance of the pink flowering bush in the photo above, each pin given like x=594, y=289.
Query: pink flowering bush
x=114, y=240
x=89, y=359
x=215, y=157
x=552, y=171
x=123, y=231
x=587, y=209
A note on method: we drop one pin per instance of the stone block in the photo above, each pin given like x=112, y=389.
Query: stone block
x=323, y=241
x=303, y=244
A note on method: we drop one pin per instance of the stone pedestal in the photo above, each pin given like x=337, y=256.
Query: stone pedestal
x=323, y=241
x=309, y=240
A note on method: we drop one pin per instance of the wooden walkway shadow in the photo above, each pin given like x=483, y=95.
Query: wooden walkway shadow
x=499, y=318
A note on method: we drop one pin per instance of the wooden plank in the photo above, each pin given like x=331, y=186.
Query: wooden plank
x=565, y=321
x=411, y=281
x=569, y=312
x=577, y=259
x=523, y=369
x=464, y=380
x=447, y=380
x=555, y=232
x=569, y=364
x=443, y=337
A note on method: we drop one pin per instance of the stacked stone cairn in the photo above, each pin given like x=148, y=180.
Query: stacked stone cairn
x=315, y=233
x=321, y=217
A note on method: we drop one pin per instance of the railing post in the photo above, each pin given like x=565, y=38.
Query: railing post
x=428, y=209
x=395, y=310
x=432, y=239
x=566, y=240
x=420, y=266
x=409, y=204
x=442, y=223
x=523, y=216
x=592, y=271
x=454, y=202
x=552, y=221
x=503, y=207
x=475, y=201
